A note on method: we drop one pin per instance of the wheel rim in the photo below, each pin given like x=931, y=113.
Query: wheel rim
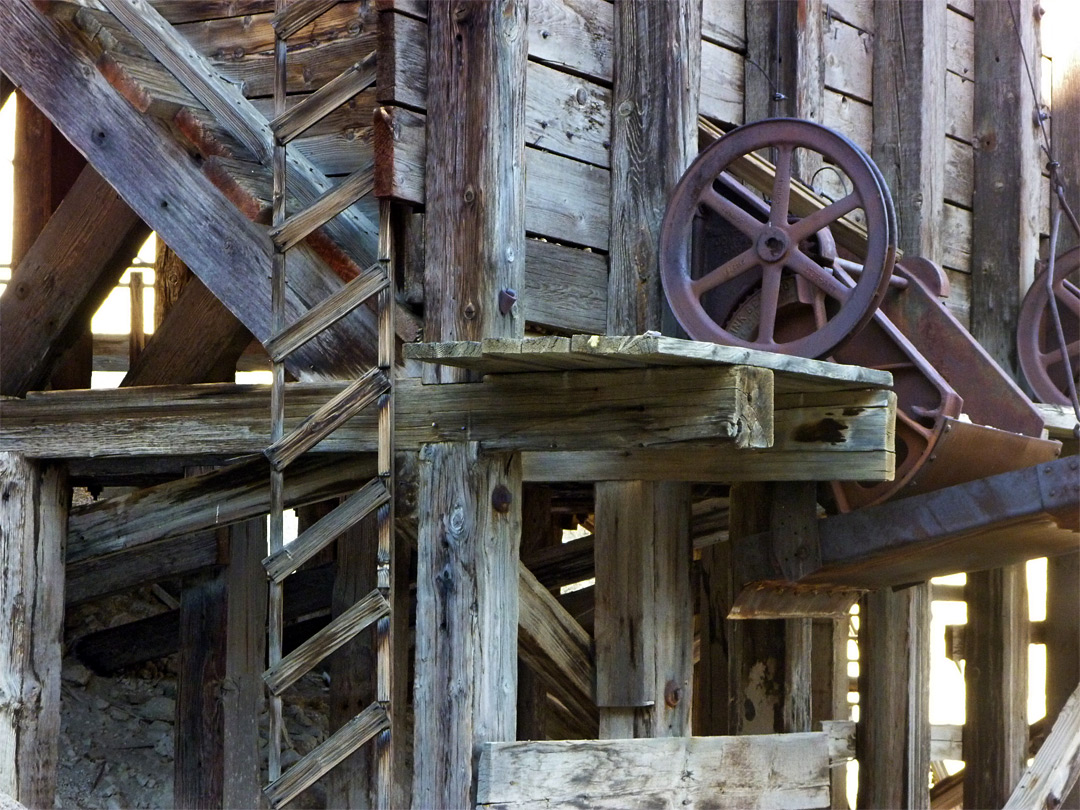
x=775, y=252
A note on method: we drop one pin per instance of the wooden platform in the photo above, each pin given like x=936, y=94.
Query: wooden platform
x=584, y=409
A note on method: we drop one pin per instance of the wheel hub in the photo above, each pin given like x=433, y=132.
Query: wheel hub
x=772, y=244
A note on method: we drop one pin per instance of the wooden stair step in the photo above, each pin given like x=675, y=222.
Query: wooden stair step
x=298, y=119
x=298, y=14
x=324, y=209
x=339, y=745
x=339, y=632
x=328, y=418
x=208, y=137
x=327, y=312
x=247, y=185
x=354, y=509
x=106, y=33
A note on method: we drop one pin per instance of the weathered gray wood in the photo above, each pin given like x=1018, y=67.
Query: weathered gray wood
x=199, y=733
x=339, y=632
x=327, y=312
x=475, y=189
x=203, y=502
x=1005, y=239
x=655, y=45
x=909, y=117
x=337, y=747
x=789, y=771
x=316, y=537
x=890, y=681
x=323, y=209
x=242, y=697
x=62, y=280
x=1061, y=632
x=616, y=409
x=199, y=341
x=996, y=680
x=466, y=643
x=231, y=254
x=298, y=14
x=33, y=511
x=1054, y=772
x=625, y=622
x=352, y=668
x=555, y=646
x=785, y=42
x=849, y=59
x=334, y=413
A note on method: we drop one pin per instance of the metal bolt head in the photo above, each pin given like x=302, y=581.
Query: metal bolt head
x=672, y=694
x=501, y=499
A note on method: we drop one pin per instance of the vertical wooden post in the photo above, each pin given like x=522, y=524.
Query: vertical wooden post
x=466, y=631
x=245, y=658
x=538, y=530
x=829, y=684
x=34, y=501
x=711, y=714
x=470, y=506
x=198, y=767
x=909, y=119
x=475, y=224
x=1063, y=573
x=1004, y=249
x=653, y=140
x=785, y=71
x=352, y=668
x=757, y=651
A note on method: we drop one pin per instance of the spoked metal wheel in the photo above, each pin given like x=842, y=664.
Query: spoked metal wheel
x=1041, y=358
x=782, y=257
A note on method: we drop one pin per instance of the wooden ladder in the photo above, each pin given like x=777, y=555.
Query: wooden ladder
x=373, y=388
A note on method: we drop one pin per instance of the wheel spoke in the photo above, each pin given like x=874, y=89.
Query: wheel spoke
x=770, y=302
x=823, y=217
x=725, y=272
x=817, y=275
x=732, y=213
x=1051, y=357
x=781, y=192
x=1068, y=296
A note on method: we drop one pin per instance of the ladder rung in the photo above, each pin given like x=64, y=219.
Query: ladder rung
x=340, y=631
x=328, y=206
x=333, y=750
x=327, y=312
x=358, y=505
x=298, y=14
x=328, y=418
x=296, y=120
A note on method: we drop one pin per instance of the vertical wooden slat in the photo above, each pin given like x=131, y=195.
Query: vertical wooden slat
x=908, y=121
x=242, y=694
x=784, y=69
x=137, y=334
x=829, y=684
x=466, y=636
x=475, y=198
x=198, y=767
x=352, y=668
x=1003, y=251
x=34, y=502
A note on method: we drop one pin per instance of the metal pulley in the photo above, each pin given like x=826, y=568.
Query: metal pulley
x=750, y=257
x=1042, y=360
x=778, y=251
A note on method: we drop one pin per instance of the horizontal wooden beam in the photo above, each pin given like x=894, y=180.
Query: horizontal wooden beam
x=989, y=523
x=205, y=502
x=774, y=770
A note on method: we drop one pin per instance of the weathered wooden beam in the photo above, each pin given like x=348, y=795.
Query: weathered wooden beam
x=694, y=772
x=56, y=71
x=555, y=646
x=574, y=411
x=475, y=199
x=33, y=511
x=199, y=340
x=1049, y=779
x=466, y=644
x=62, y=280
x=203, y=502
